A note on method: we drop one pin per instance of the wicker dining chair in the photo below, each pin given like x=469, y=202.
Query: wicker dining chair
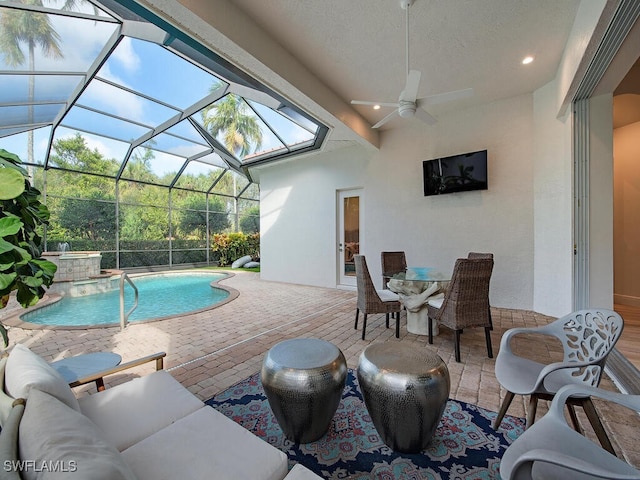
x=480, y=255
x=371, y=300
x=483, y=255
x=466, y=302
x=392, y=263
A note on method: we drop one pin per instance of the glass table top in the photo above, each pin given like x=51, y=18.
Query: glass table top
x=422, y=274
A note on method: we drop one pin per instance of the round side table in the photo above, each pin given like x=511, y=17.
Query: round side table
x=73, y=368
x=405, y=390
x=303, y=379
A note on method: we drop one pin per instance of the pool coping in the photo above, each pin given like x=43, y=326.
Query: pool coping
x=15, y=320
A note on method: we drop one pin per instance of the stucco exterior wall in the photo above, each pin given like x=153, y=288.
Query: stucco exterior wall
x=298, y=202
x=298, y=215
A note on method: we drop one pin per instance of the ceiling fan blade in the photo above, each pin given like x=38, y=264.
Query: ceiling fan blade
x=446, y=97
x=425, y=116
x=385, y=119
x=410, y=92
x=365, y=102
x=255, y=95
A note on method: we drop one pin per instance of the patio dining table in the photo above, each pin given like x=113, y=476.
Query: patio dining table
x=415, y=287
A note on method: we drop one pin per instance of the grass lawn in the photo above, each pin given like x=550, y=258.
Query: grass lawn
x=229, y=269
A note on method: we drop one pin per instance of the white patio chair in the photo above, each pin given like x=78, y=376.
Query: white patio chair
x=551, y=449
x=587, y=337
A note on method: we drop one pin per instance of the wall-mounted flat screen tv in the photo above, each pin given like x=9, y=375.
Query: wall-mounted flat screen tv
x=457, y=173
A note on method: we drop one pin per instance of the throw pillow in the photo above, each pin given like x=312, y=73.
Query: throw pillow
x=241, y=261
x=9, y=442
x=26, y=370
x=62, y=443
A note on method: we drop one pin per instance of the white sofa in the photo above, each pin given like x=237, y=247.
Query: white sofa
x=148, y=428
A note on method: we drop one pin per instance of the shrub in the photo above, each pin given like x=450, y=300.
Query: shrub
x=228, y=247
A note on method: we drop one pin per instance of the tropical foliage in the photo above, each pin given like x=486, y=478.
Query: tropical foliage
x=250, y=220
x=230, y=120
x=84, y=205
x=21, y=217
x=230, y=247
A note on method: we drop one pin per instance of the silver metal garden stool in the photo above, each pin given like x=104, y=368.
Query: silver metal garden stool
x=303, y=379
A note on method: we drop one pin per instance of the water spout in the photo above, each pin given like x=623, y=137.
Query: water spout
x=64, y=247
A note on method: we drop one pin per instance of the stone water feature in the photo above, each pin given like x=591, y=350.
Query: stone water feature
x=78, y=272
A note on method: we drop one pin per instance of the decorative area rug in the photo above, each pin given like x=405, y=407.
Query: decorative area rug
x=465, y=446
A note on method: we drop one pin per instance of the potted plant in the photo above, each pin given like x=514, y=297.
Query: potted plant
x=21, y=215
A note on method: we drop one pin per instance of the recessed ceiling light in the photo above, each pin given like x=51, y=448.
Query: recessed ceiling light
x=376, y=107
x=527, y=60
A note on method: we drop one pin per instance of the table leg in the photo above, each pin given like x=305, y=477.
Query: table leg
x=418, y=322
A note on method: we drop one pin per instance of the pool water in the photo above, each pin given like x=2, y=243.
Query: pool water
x=159, y=296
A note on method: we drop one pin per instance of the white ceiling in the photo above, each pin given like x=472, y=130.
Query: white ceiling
x=357, y=47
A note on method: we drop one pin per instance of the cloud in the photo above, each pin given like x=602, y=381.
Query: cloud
x=114, y=100
x=127, y=56
x=81, y=41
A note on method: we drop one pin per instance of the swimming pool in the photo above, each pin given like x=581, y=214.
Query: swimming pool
x=160, y=295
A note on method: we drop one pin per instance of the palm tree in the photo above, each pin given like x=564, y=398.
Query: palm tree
x=33, y=29
x=18, y=27
x=231, y=117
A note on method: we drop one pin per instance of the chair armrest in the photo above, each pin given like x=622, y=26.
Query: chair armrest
x=557, y=405
x=512, y=332
x=158, y=357
x=548, y=330
x=526, y=460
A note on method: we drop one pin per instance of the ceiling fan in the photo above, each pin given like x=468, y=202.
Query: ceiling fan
x=408, y=105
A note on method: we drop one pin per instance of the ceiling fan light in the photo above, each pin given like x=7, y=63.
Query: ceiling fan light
x=407, y=111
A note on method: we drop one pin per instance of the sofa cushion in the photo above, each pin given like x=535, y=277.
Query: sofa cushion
x=131, y=411
x=300, y=472
x=63, y=443
x=204, y=445
x=26, y=370
x=6, y=402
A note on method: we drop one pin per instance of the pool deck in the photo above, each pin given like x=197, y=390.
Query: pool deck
x=211, y=350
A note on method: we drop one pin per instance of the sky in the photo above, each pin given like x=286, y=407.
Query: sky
x=136, y=65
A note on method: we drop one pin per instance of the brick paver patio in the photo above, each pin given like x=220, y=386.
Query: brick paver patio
x=210, y=351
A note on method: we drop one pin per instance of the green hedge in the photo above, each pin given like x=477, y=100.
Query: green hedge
x=226, y=248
